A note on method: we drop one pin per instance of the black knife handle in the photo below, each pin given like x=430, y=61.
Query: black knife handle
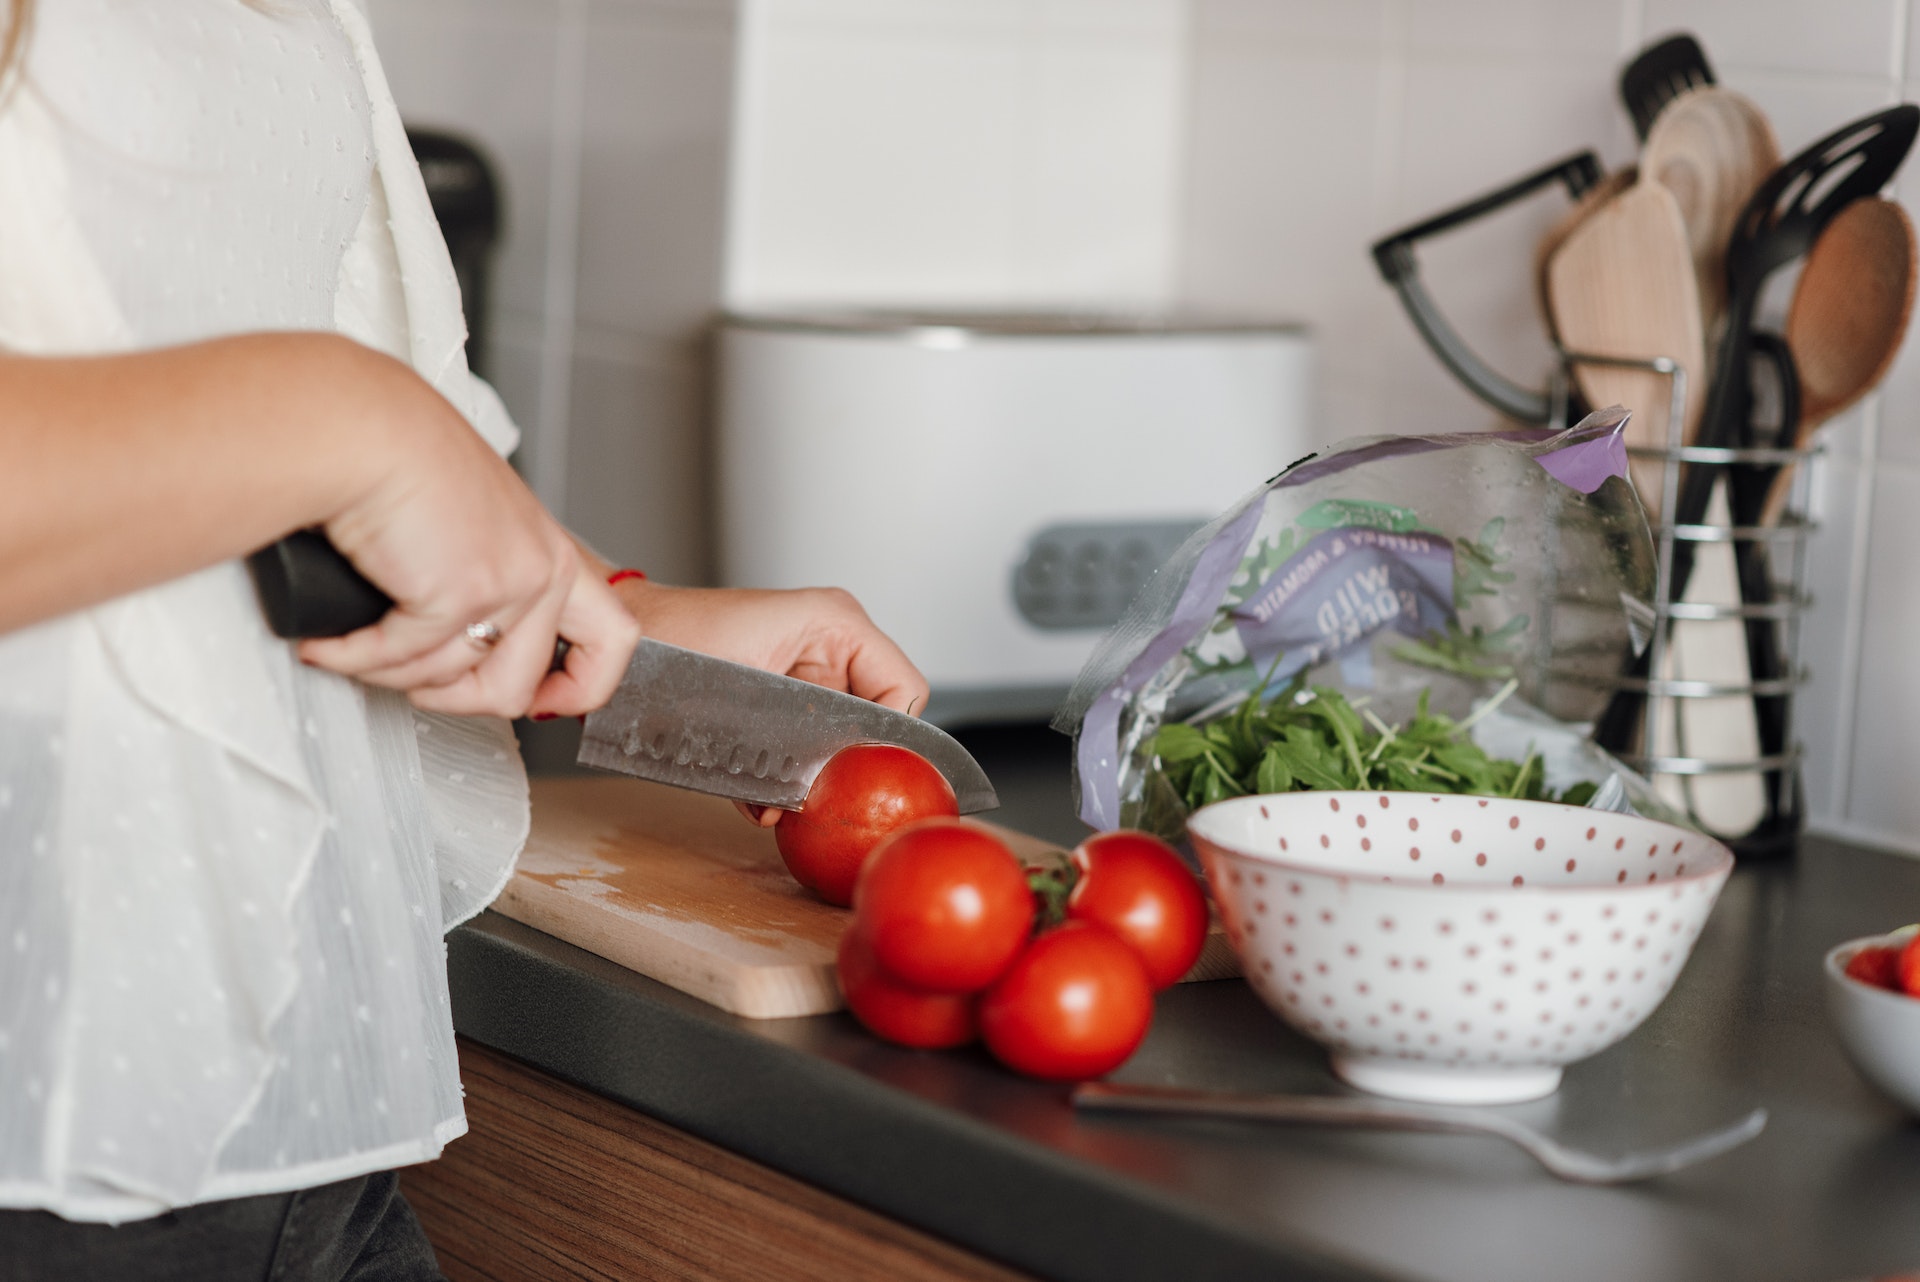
x=307, y=589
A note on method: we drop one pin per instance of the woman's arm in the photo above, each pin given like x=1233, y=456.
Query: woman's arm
x=128, y=470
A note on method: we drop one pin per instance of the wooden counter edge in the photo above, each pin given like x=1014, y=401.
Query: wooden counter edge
x=555, y=1182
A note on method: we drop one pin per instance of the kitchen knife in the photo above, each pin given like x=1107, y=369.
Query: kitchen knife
x=698, y=722
x=678, y=717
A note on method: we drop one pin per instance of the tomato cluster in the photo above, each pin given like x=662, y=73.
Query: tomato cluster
x=1896, y=967
x=950, y=941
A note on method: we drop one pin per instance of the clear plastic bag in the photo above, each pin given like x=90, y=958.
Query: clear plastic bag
x=1412, y=575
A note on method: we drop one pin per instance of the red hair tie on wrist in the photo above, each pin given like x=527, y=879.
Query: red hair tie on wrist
x=621, y=576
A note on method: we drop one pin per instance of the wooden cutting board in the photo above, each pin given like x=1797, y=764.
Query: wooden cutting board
x=675, y=885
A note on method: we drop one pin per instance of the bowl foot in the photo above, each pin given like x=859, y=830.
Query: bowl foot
x=1439, y=1084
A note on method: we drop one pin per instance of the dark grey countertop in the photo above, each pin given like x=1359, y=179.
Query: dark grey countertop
x=955, y=1145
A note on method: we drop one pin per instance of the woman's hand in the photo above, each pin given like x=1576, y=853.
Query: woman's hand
x=816, y=634
x=456, y=539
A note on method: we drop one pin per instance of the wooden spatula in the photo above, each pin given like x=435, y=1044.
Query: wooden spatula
x=1584, y=208
x=1712, y=148
x=1622, y=284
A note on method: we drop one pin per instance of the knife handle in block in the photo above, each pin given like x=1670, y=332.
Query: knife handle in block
x=308, y=589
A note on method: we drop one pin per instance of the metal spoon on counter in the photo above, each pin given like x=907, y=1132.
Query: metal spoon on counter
x=1338, y=1110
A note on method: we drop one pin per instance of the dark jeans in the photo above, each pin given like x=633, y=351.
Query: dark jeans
x=358, y=1230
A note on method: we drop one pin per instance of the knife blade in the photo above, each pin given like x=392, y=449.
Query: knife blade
x=694, y=721
x=678, y=717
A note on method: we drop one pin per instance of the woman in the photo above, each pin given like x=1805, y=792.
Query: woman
x=225, y=866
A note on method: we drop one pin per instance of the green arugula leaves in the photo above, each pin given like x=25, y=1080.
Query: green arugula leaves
x=1313, y=738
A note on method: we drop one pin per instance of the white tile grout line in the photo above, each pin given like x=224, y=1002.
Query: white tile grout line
x=1897, y=56
x=1180, y=267
x=749, y=21
x=1847, y=706
x=1633, y=27
x=1389, y=134
x=566, y=141
x=1025, y=163
x=1854, y=636
x=1176, y=207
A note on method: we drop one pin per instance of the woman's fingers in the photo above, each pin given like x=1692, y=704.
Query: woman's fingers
x=880, y=671
x=857, y=656
x=504, y=682
x=424, y=640
x=758, y=816
x=601, y=635
x=457, y=652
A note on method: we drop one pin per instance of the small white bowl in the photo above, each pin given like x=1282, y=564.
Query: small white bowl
x=1880, y=1029
x=1456, y=949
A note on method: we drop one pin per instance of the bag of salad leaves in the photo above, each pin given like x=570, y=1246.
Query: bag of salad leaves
x=1417, y=613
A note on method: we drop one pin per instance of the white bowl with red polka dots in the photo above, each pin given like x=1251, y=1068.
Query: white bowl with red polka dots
x=1456, y=949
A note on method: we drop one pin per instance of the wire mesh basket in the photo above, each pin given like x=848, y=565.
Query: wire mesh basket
x=1707, y=712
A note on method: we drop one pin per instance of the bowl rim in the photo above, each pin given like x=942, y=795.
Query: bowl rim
x=1720, y=865
x=1835, y=960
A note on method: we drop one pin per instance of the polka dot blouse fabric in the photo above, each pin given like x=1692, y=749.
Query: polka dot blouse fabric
x=224, y=877
x=220, y=160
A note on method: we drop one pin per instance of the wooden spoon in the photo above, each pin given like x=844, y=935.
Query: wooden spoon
x=1848, y=317
x=1712, y=149
x=1622, y=284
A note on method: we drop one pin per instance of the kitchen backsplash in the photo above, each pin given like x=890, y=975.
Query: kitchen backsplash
x=1315, y=127
x=666, y=157
x=608, y=121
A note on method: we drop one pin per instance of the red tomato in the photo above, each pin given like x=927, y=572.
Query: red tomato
x=860, y=797
x=944, y=905
x=1907, y=968
x=1877, y=966
x=1075, y=1005
x=1134, y=884
x=900, y=1012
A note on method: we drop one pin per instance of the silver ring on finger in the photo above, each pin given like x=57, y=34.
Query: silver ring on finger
x=484, y=635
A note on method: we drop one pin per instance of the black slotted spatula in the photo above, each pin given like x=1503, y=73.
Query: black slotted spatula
x=1661, y=73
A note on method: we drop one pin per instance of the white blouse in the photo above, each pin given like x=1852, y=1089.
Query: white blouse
x=224, y=876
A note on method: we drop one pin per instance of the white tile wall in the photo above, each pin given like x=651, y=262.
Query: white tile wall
x=609, y=121
x=488, y=73
x=1314, y=127
x=1225, y=153
x=957, y=151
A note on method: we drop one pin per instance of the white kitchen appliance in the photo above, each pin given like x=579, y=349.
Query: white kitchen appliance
x=992, y=488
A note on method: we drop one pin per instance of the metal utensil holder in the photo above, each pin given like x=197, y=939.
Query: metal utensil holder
x=1665, y=694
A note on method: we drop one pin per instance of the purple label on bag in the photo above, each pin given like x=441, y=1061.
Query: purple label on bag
x=1340, y=589
x=1586, y=465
